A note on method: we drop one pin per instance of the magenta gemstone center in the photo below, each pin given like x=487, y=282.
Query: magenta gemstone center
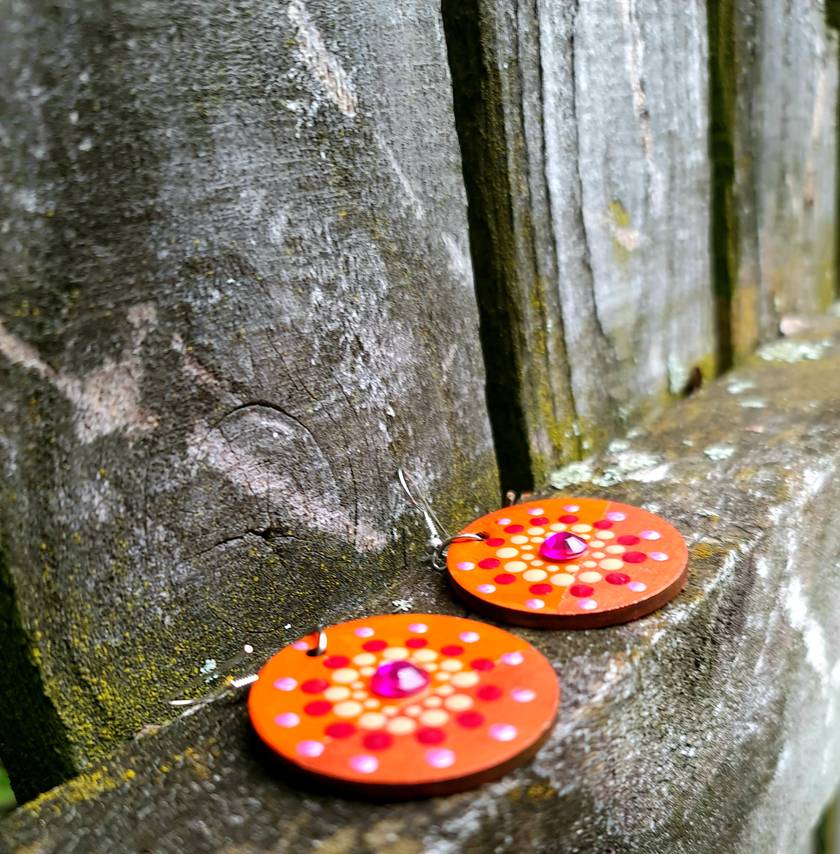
x=398, y=679
x=562, y=546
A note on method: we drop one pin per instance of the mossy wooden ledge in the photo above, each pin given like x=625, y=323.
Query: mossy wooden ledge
x=710, y=726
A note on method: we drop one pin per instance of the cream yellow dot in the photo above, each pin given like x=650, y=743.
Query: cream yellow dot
x=534, y=531
x=337, y=693
x=528, y=548
x=434, y=717
x=358, y=685
x=425, y=655
x=442, y=676
x=562, y=579
x=590, y=563
x=606, y=535
x=466, y=679
x=519, y=539
x=372, y=720
x=444, y=690
x=527, y=557
x=581, y=528
x=345, y=675
x=590, y=577
x=430, y=667
x=552, y=568
x=596, y=544
x=364, y=658
x=615, y=550
x=360, y=695
x=433, y=702
x=538, y=563
x=401, y=725
x=535, y=575
x=537, y=540
x=367, y=671
x=611, y=563
x=451, y=664
x=395, y=653
x=348, y=710
x=389, y=711
x=371, y=703
x=458, y=702
x=557, y=526
x=413, y=710
x=506, y=553
x=598, y=555
x=515, y=566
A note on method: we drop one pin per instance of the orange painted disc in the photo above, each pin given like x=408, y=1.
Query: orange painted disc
x=627, y=563
x=402, y=705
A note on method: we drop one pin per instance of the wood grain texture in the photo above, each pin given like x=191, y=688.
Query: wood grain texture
x=237, y=294
x=584, y=129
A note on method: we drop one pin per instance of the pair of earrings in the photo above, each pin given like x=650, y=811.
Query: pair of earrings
x=408, y=705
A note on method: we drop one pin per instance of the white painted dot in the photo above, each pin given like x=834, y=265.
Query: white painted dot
x=650, y=535
x=465, y=565
x=286, y=684
x=310, y=748
x=571, y=508
x=418, y=628
x=503, y=521
x=513, y=658
x=535, y=604
x=440, y=757
x=287, y=720
x=535, y=511
x=637, y=586
x=469, y=637
x=660, y=556
x=506, y=552
x=616, y=516
x=486, y=588
x=503, y=732
x=523, y=695
x=587, y=604
x=364, y=764
x=364, y=632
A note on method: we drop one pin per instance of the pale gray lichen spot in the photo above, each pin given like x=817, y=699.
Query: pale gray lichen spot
x=794, y=351
x=753, y=403
x=739, y=386
x=579, y=472
x=678, y=375
x=719, y=452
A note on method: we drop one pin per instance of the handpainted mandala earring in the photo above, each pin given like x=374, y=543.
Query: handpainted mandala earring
x=562, y=563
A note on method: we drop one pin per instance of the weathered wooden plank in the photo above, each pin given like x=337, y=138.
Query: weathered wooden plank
x=710, y=726
x=774, y=78
x=236, y=295
x=584, y=129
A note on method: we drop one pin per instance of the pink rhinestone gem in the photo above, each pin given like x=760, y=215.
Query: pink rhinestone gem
x=398, y=679
x=562, y=546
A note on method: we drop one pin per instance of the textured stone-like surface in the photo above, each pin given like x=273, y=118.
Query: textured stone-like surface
x=710, y=726
x=237, y=295
x=584, y=128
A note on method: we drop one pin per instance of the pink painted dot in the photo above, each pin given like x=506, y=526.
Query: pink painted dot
x=637, y=586
x=588, y=604
x=466, y=565
x=535, y=604
x=374, y=645
x=650, y=535
x=416, y=643
x=364, y=763
x=470, y=720
x=514, y=529
x=660, y=556
x=287, y=720
x=340, y=729
x=302, y=645
x=503, y=521
x=633, y=557
x=503, y=732
x=482, y=664
x=364, y=632
x=627, y=540
x=314, y=686
x=335, y=662
x=489, y=563
x=440, y=757
x=617, y=578
x=310, y=748
x=504, y=578
x=536, y=511
x=286, y=684
x=523, y=695
x=540, y=589
x=377, y=741
x=581, y=590
x=486, y=588
x=568, y=519
x=513, y=658
x=572, y=508
x=317, y=708
x=602, y=524
x=418, y=628
x=539, y=520
x=489, y=692
x=430, y=735
x=494, y=542
x=616, y=516
x=452, y=649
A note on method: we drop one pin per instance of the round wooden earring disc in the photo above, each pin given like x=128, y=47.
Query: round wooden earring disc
x=633, y=563
x=482, y=702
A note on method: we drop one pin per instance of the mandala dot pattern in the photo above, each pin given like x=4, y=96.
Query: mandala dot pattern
x=406, y=704
x=569, y=563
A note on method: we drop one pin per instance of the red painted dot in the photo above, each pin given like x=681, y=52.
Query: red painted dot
x=628, y=540
x=374, y=645
x=340, y=729
x=581, y=590
x=336, y=661
x=489, y=563
x=314, y=686
x=317, y=708
x=540, y=589
x=453, y=649
x=539, y=520
x=482, y=664
x=416, y=643
x=489, y=692
x=568, y=519
x=377, y=741
x=634, y=557
x=470, y=719
x=504, y=578
x=495, y=542
x=514, y=529
x=617, y=578
x=602, y=524
x=430, y=735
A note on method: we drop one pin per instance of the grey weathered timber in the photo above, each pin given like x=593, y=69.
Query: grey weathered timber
x=710, y=726
x=236, y=295
x=775, y=106
x=584, y=129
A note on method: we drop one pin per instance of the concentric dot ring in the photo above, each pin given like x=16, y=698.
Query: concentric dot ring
x=633, y=563
x=478, y=701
